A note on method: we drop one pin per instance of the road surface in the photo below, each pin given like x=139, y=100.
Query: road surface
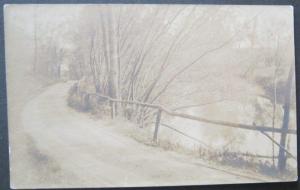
x=72, y=149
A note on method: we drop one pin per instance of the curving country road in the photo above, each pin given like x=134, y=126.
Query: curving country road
x=71, y=149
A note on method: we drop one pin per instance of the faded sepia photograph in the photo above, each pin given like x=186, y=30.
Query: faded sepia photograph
x=134, y=95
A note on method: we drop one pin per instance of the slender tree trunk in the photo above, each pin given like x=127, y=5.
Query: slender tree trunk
x=285, y=124
x=35, y=39
x=110, y=41
x=274, y=112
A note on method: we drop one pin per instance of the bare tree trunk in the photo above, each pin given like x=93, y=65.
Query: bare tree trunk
x=274, y=113
x=285, y=124
x=275, y=100
x=35, y=39
x=111, y=53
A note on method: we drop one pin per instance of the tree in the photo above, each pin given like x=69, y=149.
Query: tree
x=285, y=123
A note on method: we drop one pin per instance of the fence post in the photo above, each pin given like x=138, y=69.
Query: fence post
x=285, y=125
x=157, y=125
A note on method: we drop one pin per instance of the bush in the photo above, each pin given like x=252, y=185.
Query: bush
x=84, y=101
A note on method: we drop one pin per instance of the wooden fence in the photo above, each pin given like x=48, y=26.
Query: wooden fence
x=161, y=110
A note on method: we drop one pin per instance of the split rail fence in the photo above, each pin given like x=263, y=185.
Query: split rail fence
x=160, y=109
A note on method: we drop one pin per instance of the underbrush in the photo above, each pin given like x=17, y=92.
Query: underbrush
x=246, y=161
x=83, y=97
x=85, y=102
x=240, y=160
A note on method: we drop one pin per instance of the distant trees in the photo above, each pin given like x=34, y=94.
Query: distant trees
x=52, y=44
x=48, y=55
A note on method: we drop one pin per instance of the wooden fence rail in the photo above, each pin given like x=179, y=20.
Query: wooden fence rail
x=161, y=109
x=200, y=119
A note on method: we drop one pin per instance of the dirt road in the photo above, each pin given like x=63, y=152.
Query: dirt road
x=71, y=149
